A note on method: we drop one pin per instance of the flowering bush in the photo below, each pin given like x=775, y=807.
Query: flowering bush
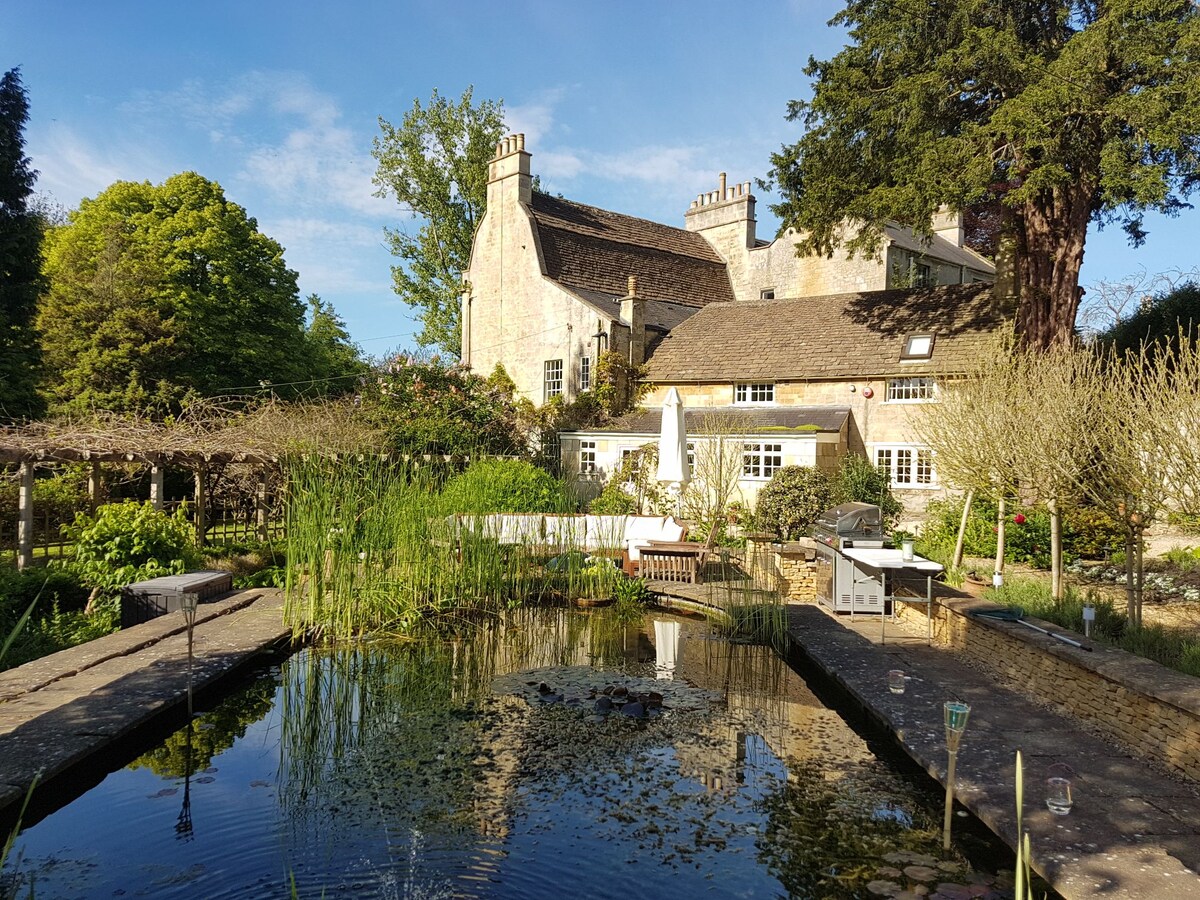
x=434, y=407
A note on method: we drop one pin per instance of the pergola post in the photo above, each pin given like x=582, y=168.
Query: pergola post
x=201, y=517
x=25, y=520
x=95, y=485
x=156, y=485
x=260, y=504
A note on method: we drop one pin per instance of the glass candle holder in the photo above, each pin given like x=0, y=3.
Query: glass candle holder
x=895, y=680
x=1058, y=795
x=906, y=551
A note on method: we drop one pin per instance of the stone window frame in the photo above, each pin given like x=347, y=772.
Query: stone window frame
x=552, y=379
x=909, y=466
x=754, y=393
x=761, y=459
x=911, y=389
x=585, y=373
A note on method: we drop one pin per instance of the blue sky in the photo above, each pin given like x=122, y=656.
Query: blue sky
x=631, y=106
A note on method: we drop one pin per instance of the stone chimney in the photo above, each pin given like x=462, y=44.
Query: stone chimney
x=508, y=172
x=633, y=314
x=949, y=225
x=724, y=216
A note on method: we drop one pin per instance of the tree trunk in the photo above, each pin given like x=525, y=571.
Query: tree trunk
x=956, y=562
x=998, y=577
x=1140, y=572
x=1056, y=566
x=1131, y=605
x=1051, y=230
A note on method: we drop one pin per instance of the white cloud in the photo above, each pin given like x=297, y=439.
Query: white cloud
x=536, y=118
x=70, y=167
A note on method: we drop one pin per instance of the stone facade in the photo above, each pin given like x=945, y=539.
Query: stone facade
x=1145, y=706
x=771, y=269
x=791, y=566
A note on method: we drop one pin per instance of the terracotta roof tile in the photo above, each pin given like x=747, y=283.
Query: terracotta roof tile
x=593, y=249
x=833, y=336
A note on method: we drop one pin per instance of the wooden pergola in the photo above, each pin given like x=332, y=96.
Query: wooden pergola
x=208, y=435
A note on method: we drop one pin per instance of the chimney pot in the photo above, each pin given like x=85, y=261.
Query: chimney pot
x=721, y=180
x=632, y=285
x=521, y=141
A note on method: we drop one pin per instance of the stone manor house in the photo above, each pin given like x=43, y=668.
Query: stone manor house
x=806, y=358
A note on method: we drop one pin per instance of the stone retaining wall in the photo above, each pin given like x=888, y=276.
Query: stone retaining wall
x=789, y=565
x=1151, y=709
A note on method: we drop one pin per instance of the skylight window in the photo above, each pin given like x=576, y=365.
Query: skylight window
x=918, y=346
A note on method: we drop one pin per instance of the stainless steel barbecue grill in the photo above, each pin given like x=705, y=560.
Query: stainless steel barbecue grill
x=840, y=584
x=850, y=525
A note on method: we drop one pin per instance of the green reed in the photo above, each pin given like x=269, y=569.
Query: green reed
x=373, y=546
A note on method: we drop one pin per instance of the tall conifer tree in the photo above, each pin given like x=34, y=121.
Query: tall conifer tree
x=20, y=259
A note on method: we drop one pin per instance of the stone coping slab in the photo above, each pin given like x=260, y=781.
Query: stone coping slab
x=1133, y=833
x=73, y=705
x=39, y=673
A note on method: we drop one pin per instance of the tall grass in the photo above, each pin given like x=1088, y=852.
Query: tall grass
x=1176, y=648
x=375, y=546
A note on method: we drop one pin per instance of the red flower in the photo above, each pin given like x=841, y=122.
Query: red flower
x=1019, y=518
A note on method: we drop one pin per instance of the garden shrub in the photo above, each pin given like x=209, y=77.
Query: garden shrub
x=51, y=587
x=128, y=542
x=1087, y=532
x=861, y=482
x=505, y=486
x=793, y=499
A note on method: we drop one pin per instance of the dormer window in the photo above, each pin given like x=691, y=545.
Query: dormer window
x=918, y=346
x=768, y=294
x=746, y=394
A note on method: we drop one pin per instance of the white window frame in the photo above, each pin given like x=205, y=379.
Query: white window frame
x=585, y=373
x=766, y=294
x=587, y=458
x=761, y=460
x=754, y=393
x=552, y=379
x=909, y=466
x=912, y=389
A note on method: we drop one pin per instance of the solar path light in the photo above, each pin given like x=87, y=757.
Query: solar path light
x=956, y=714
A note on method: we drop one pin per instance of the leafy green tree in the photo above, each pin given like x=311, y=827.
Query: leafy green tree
x=431, y=407
x=1066, y=112
x=1159, y=322
x=859, y=481
x=20, y=259
x=435, y=165
x=161, y=291
x=332, y=360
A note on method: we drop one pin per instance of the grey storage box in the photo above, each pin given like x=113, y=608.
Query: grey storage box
x=146, y=600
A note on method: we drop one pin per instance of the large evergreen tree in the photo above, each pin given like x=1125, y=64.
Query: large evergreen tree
x=435, y=164
x=161, y=291
x=1065, y=112
x=20, y=259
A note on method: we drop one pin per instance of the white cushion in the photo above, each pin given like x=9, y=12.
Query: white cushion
x=644, y=527
x=605, y=532
x=566, y=531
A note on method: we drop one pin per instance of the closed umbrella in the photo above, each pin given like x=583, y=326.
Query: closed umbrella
x=672, y=446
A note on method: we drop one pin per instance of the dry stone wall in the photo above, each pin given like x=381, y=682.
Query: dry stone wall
x=1147, y=707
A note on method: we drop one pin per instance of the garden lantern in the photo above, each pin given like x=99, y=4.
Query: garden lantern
x=188, y=603
x=955, y=714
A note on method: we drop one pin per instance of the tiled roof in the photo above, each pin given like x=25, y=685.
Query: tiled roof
x=591, y=249
x=749, y=420
x=938, y=247
x=660, y=315
x=834, y=336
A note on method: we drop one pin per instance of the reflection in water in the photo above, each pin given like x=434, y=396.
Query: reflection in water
x=548, y=753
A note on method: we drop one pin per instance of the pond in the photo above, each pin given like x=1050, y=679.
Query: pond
x=553, y=753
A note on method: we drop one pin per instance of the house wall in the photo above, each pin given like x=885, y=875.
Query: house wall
x=823, y=450
x=874, y=420
x=511, y=313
